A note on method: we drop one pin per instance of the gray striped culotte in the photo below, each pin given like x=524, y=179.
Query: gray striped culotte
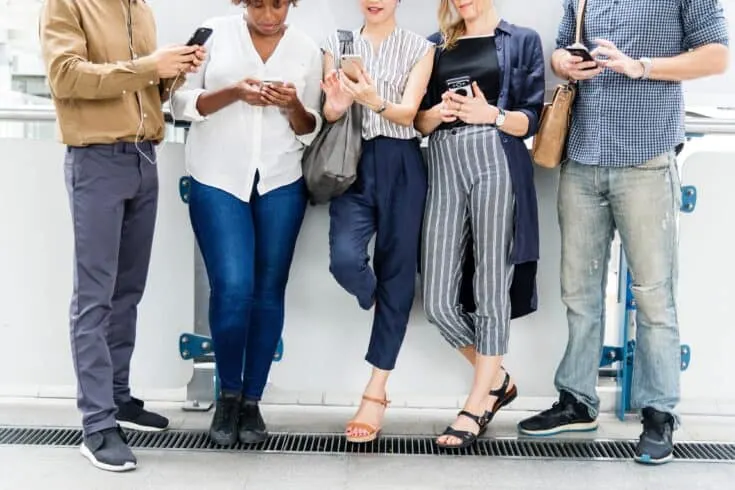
x=469, y=192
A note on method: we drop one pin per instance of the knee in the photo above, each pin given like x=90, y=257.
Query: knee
x=232, y=292
x=345, y=261
x=655, y=304
x=437, y=312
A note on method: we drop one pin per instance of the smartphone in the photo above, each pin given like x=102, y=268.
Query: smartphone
x=581, y=51
x=200, y=37
x=351, y=64
x=272, y=81
x=461, y=86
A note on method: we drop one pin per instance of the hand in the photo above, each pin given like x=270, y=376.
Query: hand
x=283, y=96
x=446, y=110
x=337, y=97
x=616, y=60
x=363, y=90
x=474, y=110
x=249, y=91
x=576, y=69
x=173, y=60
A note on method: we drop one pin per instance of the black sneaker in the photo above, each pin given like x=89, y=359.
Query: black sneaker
x=566, y=415
x=131, y=415
x=108, y=450
x=656, y=444
x=252, y=425
x=223, y=430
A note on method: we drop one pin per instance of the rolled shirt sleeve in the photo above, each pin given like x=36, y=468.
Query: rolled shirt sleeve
x=704, y=23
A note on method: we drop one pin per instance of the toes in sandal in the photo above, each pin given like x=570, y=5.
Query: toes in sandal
x=372, y=432
x=468, y=438
x=503, y=396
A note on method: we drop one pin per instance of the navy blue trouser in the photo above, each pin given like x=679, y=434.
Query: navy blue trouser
x=386, y=200
x=247, y=249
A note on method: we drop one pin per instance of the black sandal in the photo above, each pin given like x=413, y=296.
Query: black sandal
x=468, y=438
x=503, y=398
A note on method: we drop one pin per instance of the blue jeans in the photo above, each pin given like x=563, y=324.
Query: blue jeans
x=643, y=204
x=247, y=250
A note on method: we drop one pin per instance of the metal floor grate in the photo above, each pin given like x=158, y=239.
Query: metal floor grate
x=333, y=444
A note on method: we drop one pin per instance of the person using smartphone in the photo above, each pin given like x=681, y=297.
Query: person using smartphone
x=107, y=81
x=387, y=199
x=621, y=173
x=254, y=106
x=480, y=186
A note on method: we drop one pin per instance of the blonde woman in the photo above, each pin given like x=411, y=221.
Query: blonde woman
x=484, y=98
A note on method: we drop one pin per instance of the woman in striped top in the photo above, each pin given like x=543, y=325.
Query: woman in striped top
x=484, y=98
x=388, y=197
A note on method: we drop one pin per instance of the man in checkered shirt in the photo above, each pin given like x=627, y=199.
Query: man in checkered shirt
x=621, y=173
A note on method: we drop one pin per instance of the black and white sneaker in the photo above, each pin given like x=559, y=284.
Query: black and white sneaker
x=566, y=415
x=656, y=445
x=108, y=450
x=131, y=415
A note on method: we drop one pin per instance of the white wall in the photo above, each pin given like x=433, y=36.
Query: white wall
x=321, y=17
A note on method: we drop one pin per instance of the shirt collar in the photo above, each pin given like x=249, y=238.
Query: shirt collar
x=504, y=27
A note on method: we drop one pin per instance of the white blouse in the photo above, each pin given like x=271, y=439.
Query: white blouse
x=226, y=148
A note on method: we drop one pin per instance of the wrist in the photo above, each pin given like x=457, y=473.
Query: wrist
x=492, y=115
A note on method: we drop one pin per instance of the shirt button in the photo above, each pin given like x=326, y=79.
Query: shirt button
x=125, y=92
x=454, y=131
x=151, y=82
x=145, y=115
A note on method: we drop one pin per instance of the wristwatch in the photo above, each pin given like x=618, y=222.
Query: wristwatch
x=647, y=63
x=383, y=106
x=500, y=120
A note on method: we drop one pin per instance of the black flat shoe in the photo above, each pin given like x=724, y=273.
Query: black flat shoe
x=252, y=426
x=468, y=438
x=223, y=430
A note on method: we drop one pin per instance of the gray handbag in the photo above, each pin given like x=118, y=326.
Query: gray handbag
x=330, y=163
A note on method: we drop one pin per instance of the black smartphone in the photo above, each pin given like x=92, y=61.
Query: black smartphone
x=581, y=51
x=200, y=37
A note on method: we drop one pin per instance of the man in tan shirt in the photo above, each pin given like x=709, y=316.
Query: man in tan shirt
x=107, y=82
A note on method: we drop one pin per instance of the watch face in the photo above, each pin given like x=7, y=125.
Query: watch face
x=500, y=120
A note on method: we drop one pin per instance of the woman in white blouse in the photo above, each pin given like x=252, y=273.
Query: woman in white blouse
x=254, y=105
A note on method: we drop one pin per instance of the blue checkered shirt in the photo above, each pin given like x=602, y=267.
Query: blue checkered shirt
x=620, y=122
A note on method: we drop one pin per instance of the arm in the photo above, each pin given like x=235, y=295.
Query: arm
x=706, y=53
x=403, y=113
x=308, y=122
x=430, y=119
x=524, y=120
x=70, y=74
x=336, y=101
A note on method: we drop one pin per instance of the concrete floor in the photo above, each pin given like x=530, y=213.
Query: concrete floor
x=35, y=467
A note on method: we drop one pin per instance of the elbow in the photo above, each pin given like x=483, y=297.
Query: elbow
x=720, y=60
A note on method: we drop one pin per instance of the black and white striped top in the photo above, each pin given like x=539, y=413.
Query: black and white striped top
x=389, y=68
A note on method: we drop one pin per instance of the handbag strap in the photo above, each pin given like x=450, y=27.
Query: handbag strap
x=580, y=20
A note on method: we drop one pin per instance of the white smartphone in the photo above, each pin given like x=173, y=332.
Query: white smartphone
x=272, y=81
x=461, y=86
x=351, y=64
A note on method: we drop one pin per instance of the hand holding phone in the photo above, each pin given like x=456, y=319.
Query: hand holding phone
x=352, y=66
x=584, y=69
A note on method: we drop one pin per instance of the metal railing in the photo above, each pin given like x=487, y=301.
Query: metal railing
x=694, y=124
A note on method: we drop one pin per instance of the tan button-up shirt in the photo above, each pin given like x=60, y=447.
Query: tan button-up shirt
x=103, y=83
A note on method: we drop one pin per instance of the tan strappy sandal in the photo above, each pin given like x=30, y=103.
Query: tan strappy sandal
x=372, y=432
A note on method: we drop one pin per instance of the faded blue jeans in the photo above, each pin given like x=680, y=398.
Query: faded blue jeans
x=642, y=203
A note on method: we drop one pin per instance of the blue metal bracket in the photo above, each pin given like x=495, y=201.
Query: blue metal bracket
x=688, y=198
x=184, y=186
x=194, y=345
x=626, y=355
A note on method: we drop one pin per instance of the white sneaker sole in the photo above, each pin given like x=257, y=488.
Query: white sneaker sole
x=129, y=466
x=580, y=427
x=139, y=428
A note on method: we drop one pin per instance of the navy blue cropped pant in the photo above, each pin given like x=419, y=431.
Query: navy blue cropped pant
x=387, y=200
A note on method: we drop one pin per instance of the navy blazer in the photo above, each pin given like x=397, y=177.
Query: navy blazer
x=522, y=67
